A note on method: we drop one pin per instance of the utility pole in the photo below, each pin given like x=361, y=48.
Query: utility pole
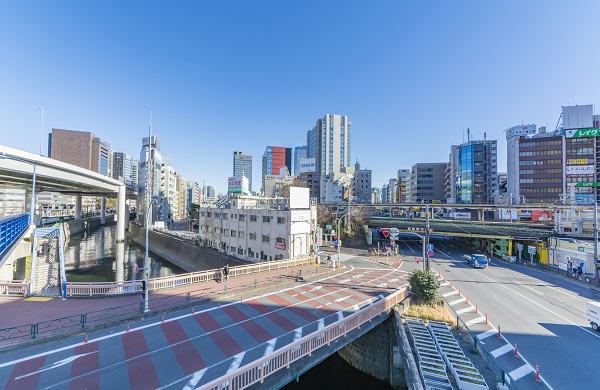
x=596, y=240
x=426, y=240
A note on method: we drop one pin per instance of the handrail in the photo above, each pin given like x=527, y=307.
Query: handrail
x=258, y=370
x=33, y=261
x=14, y=287
x=11, y=228
x=82, y=289
x=61, y=256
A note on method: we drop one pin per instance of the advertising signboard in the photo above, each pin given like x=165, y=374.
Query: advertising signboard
x=582, y=133
x=541, y=215
x=461, y=215
x=307, y=165
x=508, y=214
x=580, y=161
x=237, y=185
x=280, y=245
x=580, y=170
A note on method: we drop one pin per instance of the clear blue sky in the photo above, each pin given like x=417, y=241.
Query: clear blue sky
x=221, y=76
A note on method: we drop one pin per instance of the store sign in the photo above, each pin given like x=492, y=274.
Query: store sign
x=590, y=184
x=579, y=170
x=580, y=161
x=280, y=245
x=582, y=133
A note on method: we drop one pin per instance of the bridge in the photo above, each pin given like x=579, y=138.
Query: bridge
x=265, y=332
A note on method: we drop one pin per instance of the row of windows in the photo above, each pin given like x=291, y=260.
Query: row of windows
x=540, y=143
x=242, y=218
x=535, y=190
x=540, y=180
x=585, y=179
x=580, y=152
x=540, y=171
x=541, y=162
x=540, y=153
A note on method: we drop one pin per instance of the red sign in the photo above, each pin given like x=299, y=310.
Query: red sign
x=280, y=245
x=386, y=232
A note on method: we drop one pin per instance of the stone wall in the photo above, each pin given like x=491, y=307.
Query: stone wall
x=76, y=226
x=177, y=251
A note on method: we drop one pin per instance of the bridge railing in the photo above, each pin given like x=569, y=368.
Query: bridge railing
x=258, y=370
x=14, y=288
x=79, y=289
x=11, y=229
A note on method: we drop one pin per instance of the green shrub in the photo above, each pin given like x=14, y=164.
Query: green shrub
x=424, y=286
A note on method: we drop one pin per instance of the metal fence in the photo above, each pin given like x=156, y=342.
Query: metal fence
x=257, y=371
x=11, y=228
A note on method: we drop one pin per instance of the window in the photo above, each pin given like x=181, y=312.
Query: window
x=242, y=217
x=252, y=218
x=209, y=214
x=266, y=238
x=225, y=216
x=253, y=236
x=280, y=220
x=266, y=219
x=233, y=233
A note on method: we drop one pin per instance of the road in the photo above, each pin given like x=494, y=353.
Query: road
x=188, y=350
x=543, y=313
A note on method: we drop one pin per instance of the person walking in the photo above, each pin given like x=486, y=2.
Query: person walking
x=226, y=272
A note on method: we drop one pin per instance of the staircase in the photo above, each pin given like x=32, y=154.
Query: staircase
x=45, y=273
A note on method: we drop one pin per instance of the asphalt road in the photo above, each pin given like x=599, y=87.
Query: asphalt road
x=543, y=313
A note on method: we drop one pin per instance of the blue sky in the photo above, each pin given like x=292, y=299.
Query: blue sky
x=221, y=76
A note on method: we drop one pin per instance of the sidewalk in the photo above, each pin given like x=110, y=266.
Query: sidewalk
x=59, y=317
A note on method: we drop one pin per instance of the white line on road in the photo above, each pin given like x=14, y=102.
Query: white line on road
x=56, y=364
x=466, y=309
x=520, y=372
x=459, y=300
x=342, y=299
x=502, y=350
x=445, y=284
x=450, y=293
x=487, y=334
x=475, y=321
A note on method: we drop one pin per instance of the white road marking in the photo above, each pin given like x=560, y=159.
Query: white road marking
x=445, y=284
x=355, y=307
x=502, y=350
x=520, y=372
x=270, y=347
x=535, y=291
x=450, y=293
x=342, y=299
x=487, y=334
x=294, y=295
x=475, y=321
x=466, y=309
x=56, y=364
x=316, y=288
x=459, y=300
x=560, y=291
x=318, y=306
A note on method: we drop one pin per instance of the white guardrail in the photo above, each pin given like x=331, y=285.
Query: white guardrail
x=14, y=288
x=258, y=370
x=77, y=289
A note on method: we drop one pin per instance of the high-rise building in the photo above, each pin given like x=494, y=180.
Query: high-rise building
x=404, y=194
x=513, y=137
x=182, y=196
x=475, y=165
x=361, y=184
x=242, y=166
x=73, y=147
x=275, y=158
x=330, y=143
x=169, y=192
x=122, y=168
x=194, y=194
x=300, y=152
x=392, y=191
x=427, y=182
x=135, y=166
x=384, y=192
x=150, y=168
x=210, y=192
x=101, y=156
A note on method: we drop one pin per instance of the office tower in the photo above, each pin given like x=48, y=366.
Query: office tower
x=182, y=196
x=513, y=137
x=392, y=191
x=275, y=158
x=80, y=148
x=101, y=156
x=404, y=194
x=330, y=143
x=361, y=184
x=122, y=168
x=427, y=182
x=194, y=194
x=242, y=166
x=475, y=165
x=384, y=192
x=300, y=152
x=150, y=169
x=135, y=166
x=210, y=192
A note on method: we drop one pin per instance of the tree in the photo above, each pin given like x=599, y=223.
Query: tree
x=424, y=286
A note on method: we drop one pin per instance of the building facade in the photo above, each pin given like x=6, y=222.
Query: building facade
x=73, y=147
x=122, y=168
x=427, y=182
x=274, y=159
x=475, y=165
x=259, y=228
x=101, y=157
x=300, y=152
x=361, y=185
x=242, y=166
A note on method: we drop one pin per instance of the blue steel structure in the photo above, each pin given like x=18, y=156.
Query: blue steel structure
x=11, y=229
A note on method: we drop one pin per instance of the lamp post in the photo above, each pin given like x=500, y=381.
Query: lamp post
x=148, y=204
x=339, y=236
x=32, y=205
x=42, y=133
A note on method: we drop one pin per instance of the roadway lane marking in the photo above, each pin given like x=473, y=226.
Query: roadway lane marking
x=318, y=306
x=56, y=364
x=502, y=350
x=466, y=309
x=342, y=299
x=450, y=293
x=270, y=346
x=316, y=288
x=566, y=293
x=487, y=334
x=235, y=362
x=475, y=321
x=535, y=291
x=191, y=385
x=445, y=284
x=459, y=300
x=520, y=372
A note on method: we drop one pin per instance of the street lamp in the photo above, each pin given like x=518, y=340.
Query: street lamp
x=42, y=133
x=339, y=236
x=32, y=205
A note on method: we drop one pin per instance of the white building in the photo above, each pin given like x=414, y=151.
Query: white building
x=169, y=193
x=261, y=229
x=513, y=135
x=361, y=185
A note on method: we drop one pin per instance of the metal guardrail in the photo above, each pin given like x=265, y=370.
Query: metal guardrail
x=79, y=289
x=11, y=228
x=257, y=371
x=14, y=287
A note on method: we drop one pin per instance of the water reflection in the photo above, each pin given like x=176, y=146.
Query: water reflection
x=93, y=256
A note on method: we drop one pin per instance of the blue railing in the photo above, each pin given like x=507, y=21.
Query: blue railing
x=11, y=228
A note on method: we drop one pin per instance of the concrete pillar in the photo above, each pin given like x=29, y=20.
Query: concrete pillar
x=122, y=214
x=78, y=202
x=103, y=210
x=510, y=242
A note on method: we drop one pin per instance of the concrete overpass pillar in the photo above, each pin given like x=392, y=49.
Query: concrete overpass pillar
x=509, y=247
x=103, y=210
x=122, y=214
x=78, y=203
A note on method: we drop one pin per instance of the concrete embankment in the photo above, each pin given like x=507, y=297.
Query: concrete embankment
x=179, y=252
x=76, y=226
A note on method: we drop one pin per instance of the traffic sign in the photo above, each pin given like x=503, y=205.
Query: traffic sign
x=430, y=247
x=430, y=253
x=386, y=232
x=327, y=227
x=394, y=232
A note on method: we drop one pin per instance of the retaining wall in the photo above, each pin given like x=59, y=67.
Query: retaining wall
x=188, y=257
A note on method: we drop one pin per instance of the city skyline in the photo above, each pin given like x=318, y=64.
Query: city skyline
x=411, y=78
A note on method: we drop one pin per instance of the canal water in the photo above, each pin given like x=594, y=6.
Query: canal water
x=93, y=256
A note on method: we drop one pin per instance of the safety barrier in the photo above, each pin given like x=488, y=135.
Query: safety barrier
x=11, y=228
x=257, y=371
x=14, y=288
x=79, y=289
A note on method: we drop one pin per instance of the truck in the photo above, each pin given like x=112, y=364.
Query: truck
x=476, y=260
x=593, y=314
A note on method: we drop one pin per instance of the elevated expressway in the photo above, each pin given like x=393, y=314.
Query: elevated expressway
x=17, y=170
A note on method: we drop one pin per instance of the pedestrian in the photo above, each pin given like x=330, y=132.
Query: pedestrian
x=226, y=272
x=328, y=259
